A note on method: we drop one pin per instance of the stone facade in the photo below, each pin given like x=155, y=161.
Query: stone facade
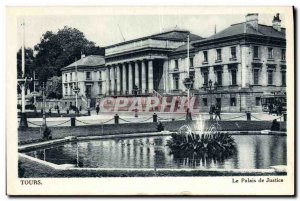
x=241, y=67
x=243, y=62
x=89, y=75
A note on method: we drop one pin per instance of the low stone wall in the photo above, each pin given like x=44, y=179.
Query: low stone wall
x=32, y=134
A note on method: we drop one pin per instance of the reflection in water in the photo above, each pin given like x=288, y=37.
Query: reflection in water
x=256, y=151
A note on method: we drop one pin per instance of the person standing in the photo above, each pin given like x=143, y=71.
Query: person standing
x=212, y=111
x=218, y=112
x=97, y=109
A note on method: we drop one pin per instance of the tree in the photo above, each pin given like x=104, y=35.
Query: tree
x=29, y=66
x=56, y=51
x=54, y=87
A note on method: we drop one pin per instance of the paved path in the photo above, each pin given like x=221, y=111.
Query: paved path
x=129, y=117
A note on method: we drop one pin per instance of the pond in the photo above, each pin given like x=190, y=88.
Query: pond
x=252, y=152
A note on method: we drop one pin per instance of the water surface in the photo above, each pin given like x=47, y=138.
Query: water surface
x=253, y=152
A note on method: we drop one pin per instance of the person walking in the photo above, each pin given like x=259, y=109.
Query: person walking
x=218, y=112
x=211, y=111
x=270, y=108
x=97, y=109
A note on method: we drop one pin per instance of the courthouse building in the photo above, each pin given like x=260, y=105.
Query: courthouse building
x=233, y=68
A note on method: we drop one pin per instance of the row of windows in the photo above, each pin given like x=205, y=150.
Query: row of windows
x=88, y=90
x=256, y=55
x=233, y=101
x=88, y=76
x=233, y=78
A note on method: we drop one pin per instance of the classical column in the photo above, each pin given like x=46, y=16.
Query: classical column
x=136, y=79
x=130, y=78
x=150, y=76
x=124, y=78
x=112, y=78
x=118, y=76
x=107, y=79
x=143, y=77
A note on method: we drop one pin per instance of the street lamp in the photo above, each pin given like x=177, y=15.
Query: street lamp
x=210, y=91
x=44, y=113
x=76, y=91
x=23, y=82
x=135, y=92
x=188, y=83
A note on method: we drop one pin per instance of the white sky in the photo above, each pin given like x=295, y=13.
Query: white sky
x=104, y=30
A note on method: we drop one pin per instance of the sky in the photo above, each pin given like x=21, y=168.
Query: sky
x=106, y=30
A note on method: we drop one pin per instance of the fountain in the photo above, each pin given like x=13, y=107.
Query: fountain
x=199, y=142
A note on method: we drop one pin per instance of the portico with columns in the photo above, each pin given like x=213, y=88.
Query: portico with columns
x=125, y=77
x=141, y=65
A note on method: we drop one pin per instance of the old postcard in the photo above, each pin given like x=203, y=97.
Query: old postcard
x=150, y=101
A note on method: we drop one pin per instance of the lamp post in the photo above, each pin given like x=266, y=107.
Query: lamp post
x=210, y=91
x=76, y=91
x=44, y=125
x=76, y=88
x=188, y=82
x=135, y=92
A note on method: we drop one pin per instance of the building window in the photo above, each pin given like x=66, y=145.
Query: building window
x=255, y=52
x=219, y=78
x=233, y=101
x=219, y=55
x=270, y=53
x=66, y=77
x=283, y=78
x=233, y=52
x=205, y=55
x=233, y=77
x=257, y=101
x=71, y=76
x=88, y=75
x=100, y=88
x=176, y=64
x=255, y=76
x=192, y=76
x=100, y=75
x=219, y=102
x=191, y=62
x=205, y=78
x=66, y=90
x=88, y=91
x=283, y=54
x=204, y=100
x=176, y=82
x=270, y=77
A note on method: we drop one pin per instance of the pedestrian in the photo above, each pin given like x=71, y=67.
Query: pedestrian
x=270, y=108
x=50, y=111
x=279, y=109
x=275, y=125
x=211, y=111
x=218, y=112
x=187, y=114
x=97, y=109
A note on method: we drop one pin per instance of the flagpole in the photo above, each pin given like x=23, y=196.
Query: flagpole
x=23, y=66
x=22, y=81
